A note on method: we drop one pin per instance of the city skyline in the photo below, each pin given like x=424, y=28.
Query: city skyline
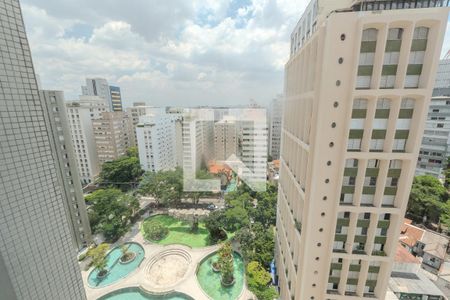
x=196, y=53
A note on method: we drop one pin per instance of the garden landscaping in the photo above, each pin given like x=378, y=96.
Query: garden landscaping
x=178, y=232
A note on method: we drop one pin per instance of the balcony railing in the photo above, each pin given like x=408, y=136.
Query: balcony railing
x=398, y=4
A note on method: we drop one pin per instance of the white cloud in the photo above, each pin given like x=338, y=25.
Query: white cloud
x=177, y=52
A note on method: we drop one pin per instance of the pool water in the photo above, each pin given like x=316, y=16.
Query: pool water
x=210, y=280
x=117, y=270
x=138, y=294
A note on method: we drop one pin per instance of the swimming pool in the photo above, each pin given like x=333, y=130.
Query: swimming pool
x=116, y=270
x=136, y=293
x=210, y=281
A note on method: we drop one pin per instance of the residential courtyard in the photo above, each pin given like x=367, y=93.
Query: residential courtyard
x=176, y=267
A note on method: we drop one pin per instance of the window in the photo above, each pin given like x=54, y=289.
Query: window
x=367, y=54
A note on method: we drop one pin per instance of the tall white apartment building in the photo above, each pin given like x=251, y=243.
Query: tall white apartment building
x=435, y=146
x=225, y=138
x=442, y=85
x=138, y=110
x=197, y=138
x=113, y=134
x=100, y=87
x=275, y=118
x=80, y=114
x=68, y=168
x=253, y=146
x=357, y=88
x=37, y=257
x=156, y=139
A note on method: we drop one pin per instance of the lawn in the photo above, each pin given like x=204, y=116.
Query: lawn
x=180, y=232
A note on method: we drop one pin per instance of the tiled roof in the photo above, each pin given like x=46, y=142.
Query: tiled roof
x=410, y=234
x=403, y=256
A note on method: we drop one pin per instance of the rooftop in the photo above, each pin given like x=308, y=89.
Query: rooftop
x=404, y=256
x=410, y=234
x=410, y=283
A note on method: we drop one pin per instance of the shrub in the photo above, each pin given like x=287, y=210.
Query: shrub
x=82, y=257
x=155, y=230
x=258, y=281
x=98, y=255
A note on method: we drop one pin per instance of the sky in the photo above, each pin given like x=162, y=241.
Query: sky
x=171, y=52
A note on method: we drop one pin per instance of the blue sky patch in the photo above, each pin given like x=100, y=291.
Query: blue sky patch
x=79, y=30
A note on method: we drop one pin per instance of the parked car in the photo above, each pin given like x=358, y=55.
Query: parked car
x=211, y=207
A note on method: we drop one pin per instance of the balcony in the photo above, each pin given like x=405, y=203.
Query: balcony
x=334, y=279
x=343, y=222
x=355, y=268
x=374, y=269
x=383, y=224
x=363, y=223
x=359, y=251
x=378, y=253
x=360, y=238
x=339, y=251
x=340, y=237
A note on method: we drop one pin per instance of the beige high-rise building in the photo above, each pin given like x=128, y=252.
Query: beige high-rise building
x=80, y=114
x=113, y=134
x=138, y=110
x=225, y=138
x=357, y=86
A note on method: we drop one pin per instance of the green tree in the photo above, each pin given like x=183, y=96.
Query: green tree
x=121, y=173
x=258, y=277
x=257, y=243
x=265, y=211
x=236, y=218
x=214, y=223
x=154, y=230
x=258, y=281
x=445, y=215
x=226, y=262
x=133, y=152
x=98, y=255
x=165, y=186
x=426, y=199
x=110, y=212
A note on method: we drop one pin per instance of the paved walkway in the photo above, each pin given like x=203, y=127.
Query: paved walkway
x=138, y=278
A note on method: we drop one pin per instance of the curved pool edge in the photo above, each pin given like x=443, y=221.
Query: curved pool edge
x=205, y=258
x=121, y=278
x=142, y=290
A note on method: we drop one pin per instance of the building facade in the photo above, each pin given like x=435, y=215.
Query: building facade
x=68, y=168
x=442, y=86
x=33, y=219
x=357, y=89
x=275, y=118
x=113, y=134
x=80, y=114
x=225, y=139
x=197, y=138
x=435, y=146
x=156, y=136
x=253, y=147
x=100, y=87
x=116, y=98
x=138, y=110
